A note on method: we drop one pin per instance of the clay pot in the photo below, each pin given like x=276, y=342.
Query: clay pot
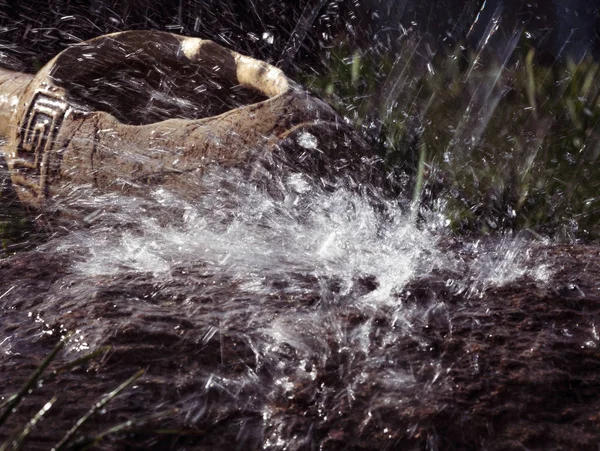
x=127, y=110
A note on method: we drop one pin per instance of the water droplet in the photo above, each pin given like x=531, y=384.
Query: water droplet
x=307, y=140
x=268, y=37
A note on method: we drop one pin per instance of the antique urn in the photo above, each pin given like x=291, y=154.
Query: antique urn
x=129, y=110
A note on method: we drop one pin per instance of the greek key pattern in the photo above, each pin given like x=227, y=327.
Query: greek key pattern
x=38, y=132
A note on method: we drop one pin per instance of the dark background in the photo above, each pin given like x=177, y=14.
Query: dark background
x=299, y=33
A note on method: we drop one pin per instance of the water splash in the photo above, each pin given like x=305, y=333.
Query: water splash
x=240, y=230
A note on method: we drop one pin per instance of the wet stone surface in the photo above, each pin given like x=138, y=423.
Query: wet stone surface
x=306, y=366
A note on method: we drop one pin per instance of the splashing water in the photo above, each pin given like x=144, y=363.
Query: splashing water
x=279, y=290
x=291, y=312
x=243, y=232
x=327, y=319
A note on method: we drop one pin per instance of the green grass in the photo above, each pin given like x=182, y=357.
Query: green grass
x=493, y=146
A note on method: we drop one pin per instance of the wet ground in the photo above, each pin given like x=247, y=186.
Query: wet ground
x=440, y=365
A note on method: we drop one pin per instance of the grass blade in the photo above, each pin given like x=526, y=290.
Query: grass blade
x=129, y=425
x=66, y=367
x=14, y=400
x=74, y=363
x=99, y=405
x=18, y=443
